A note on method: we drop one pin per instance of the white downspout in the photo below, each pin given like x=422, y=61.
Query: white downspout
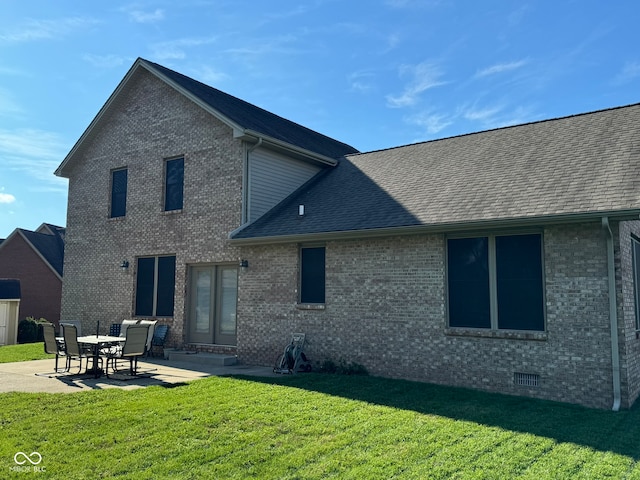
x=613, y=315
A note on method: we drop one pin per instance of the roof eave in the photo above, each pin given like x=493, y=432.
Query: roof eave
x=254, y=136
x=60, y=171
x=238, y=130
x=451, y=227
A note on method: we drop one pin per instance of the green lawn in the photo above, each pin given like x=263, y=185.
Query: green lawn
x=313, y=426
x=21, y=353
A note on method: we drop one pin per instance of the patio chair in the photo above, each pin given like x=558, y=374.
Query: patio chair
x=73, y=349
x=159, y=337
x=54, y=347
x=114, y=330
x=134, y=346
x=125, y=324
x=152, y=329
x=77, y=324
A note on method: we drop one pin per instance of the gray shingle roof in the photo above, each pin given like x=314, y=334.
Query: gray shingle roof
x=582, y=164
x=254, y=118
x=51, y=247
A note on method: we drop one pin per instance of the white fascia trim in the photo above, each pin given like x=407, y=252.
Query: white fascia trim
x=87, y=133
x=246, y=134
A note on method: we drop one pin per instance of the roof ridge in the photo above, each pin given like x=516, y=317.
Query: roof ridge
x=505, y=127
x=250, y=105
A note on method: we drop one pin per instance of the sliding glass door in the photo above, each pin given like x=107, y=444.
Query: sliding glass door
x=213, y=300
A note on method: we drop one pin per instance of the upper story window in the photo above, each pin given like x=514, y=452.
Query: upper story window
x=496, y=282
x=118, y=193
x=312, y=275
x=174, y=184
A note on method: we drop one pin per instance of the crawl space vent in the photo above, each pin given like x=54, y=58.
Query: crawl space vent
x=526, y=379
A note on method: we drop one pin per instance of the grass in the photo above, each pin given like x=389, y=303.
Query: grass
x=23, y=353
x=314, y=426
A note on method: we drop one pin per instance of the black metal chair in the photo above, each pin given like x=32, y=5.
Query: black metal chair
x=114, y=330
x=159, y=337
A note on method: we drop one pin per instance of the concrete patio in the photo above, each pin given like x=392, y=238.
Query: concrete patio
x=38, y=376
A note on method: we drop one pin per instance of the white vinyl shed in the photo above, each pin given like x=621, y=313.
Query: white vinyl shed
x=9, y=310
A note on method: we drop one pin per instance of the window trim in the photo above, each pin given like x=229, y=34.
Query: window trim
x=493, y=285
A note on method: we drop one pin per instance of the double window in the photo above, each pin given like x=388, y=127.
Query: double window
x=496, y=282
x=174, y=184
x=155, y=286
x=312, y=274
x=118, y=193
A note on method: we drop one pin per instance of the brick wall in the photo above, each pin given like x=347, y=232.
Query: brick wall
x=386, y=297
x=41, y=289
x=149, y=123
x=386, y=309
x=629, y=341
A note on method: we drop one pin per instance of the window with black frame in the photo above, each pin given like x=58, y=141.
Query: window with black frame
x=118, y=193
x=155, y=286
x=496, y=282
x=312, y=275
x=174, y=184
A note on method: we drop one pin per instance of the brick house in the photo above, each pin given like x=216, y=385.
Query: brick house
x=502, y=260
x=36, y=258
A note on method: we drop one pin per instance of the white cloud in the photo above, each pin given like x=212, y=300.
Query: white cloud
x=361, y=81
x=482, y=114
x=104, y=61
x=423, y=76
x=8, y=107
x=500, y=68
x=36, y=153
x=210, y=76
x=7, y=198
x=175, y=49
x=139, y=16
x=629, y=72
x=34, y=30
x=431, y=122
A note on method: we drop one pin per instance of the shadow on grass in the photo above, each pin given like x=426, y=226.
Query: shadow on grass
x=602, y=430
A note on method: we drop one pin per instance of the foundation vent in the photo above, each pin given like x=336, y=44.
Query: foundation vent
x=526, y=379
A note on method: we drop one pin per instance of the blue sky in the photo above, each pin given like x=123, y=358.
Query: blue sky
x=374, y=74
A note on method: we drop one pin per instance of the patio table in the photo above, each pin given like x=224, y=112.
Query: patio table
x=97, y=342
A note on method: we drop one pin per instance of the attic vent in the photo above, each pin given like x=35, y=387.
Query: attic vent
x=526, y=379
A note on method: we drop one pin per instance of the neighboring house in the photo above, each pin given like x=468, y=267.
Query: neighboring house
x=503, y=260
x=36, y=259
x=9, y=308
